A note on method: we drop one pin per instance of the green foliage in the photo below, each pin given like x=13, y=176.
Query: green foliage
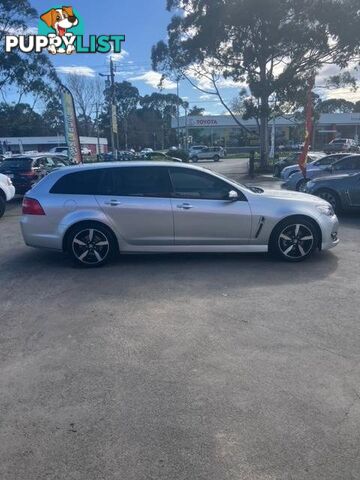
x=21, y=121
x=275, y=46
x=196, y=111
x=27, y=73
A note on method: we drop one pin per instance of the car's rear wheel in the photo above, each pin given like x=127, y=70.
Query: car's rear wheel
x=301, y=186
x=91, y=245
x=331, y=197
x=2, y=205
x=294, y=240
x=216, y=158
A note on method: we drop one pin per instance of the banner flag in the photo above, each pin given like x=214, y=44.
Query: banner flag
x=308, y=128
x=71, y=130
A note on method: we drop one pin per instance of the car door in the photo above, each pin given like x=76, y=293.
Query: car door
x=137, y=200
x=203, y=214
x=347, y=165
x=353, y=190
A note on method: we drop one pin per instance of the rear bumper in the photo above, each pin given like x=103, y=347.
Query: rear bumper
x=37, y=232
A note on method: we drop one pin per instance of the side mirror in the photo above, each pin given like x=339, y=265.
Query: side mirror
x=233, y=196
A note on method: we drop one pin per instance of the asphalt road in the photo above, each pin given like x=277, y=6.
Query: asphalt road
x=184, y=367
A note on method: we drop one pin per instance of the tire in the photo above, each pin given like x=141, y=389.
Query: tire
x=216, y=158
x=195, y=159
x=331, y=197
x=2, y=205
x=91, y=244
x=300, y=186
x=294, y=240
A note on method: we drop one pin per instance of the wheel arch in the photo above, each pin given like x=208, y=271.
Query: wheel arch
x=86, y=223
x=294, y=218
x=332, y=191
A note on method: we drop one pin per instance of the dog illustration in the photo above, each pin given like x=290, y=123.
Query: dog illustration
x=60, y=20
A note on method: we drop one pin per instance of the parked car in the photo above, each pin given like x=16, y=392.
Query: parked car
x=314, y=165
x=146, y=150
x=194, y=149
x=158, y=156
x=85, y=151
x=64, y=150
x=348, y=164
x=208, y=153
x=167, y=207
x=293, y=159
x=341, y=191
x=347, y=145
x=7, y=192
x=25, y=171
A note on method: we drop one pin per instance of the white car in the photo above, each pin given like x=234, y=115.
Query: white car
x=146, y=150
x=85, y=151
x=64, y=150
x=7, y=192
x=207, y=153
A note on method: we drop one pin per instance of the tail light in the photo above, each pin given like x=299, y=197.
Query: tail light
x=30, y=206
x=30, y=173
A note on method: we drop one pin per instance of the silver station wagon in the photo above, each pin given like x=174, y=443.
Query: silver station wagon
x=93, y=212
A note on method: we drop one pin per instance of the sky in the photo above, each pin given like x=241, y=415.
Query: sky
x=144, y=23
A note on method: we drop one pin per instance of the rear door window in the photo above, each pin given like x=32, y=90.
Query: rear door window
x=136, y=182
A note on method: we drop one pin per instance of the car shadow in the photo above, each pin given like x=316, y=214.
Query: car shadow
x=173, y=272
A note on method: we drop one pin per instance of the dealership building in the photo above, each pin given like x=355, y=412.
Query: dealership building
x=223, y=130
x=44, y=144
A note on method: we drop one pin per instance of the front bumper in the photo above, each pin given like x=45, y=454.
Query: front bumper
x=330, y=232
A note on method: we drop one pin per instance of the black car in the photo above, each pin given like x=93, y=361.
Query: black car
x=24, y=171
x=342, y=191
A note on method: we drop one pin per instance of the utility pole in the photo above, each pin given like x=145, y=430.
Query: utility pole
x=112, y=110
x=97, y=131
x=178, y=111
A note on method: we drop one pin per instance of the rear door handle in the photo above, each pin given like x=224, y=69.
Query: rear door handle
x=185, y=206
x=113, y=203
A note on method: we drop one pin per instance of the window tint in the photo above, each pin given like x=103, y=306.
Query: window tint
x=22, y=162
x=350, y=163
x=136, y=182
x=198, y=185
x=78, y=183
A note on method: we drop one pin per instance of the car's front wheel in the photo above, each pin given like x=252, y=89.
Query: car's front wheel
x=91, y=245
x=294, y=240
x=195, y=159
x=331, y=197
x=216, y=158
x=301, y=186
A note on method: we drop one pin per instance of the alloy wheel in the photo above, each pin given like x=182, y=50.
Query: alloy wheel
x=90, y=246
x=296, y=241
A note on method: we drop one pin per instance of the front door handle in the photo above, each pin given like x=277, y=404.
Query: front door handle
x=185, y=206
x=113, y=203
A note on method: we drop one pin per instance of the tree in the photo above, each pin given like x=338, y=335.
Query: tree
x=196, y=111
x=20, y=120
x=166, y=106
x=53, y=116
x=275, y=46
x=127, y=98
x=87, y=93
x=335, y=105
x=30, y=73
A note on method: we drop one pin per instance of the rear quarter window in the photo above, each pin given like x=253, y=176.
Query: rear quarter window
x=78, y=183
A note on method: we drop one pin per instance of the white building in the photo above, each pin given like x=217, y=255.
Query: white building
x=223, y=130
x=44, y=144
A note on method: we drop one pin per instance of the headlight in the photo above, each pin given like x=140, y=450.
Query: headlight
x=326, y=210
